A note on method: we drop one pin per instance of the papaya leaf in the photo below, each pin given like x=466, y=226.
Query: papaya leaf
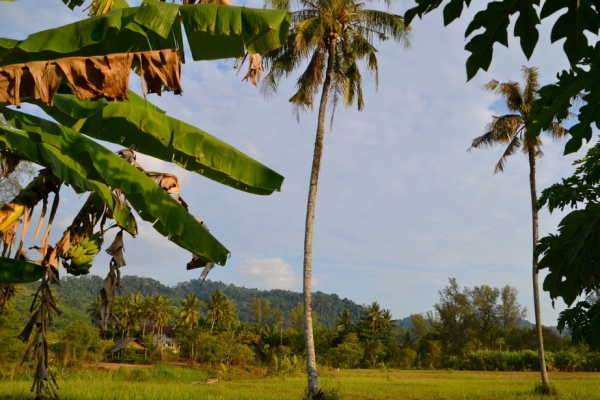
x=572, y=256
x=151, y=132
x=16, y=271
x=453, y=10
x=556, y=99
x=423, y=7
x=151, y=202
x=495, y=20
x=581, y=15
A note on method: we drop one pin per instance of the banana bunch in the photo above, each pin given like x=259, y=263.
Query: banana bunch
x=78, y=260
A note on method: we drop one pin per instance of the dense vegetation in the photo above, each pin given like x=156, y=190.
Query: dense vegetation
x=479, y=328
x=75, y=291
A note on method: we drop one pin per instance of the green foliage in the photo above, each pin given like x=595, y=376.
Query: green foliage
x=15, y=271
x=59, y=148
x=156, y=26
x=152, y=132
x=571, y=256
x=494, y=20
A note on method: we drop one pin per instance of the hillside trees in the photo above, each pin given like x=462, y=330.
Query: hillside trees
x=78, y=74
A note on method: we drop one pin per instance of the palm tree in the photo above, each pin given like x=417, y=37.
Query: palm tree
x=374, y=315
x=128, y=310
x=510, y=132
x=220, y=310
x=330, y=37
x=344, y=321
x=157, y=309
x=189, y=311
x=188, y=315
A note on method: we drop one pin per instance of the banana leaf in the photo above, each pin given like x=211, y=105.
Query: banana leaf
x=155, y=26
x=72, y=173
x=150, y=131
x=215, y=31
x=16, y=271
x=81, y=161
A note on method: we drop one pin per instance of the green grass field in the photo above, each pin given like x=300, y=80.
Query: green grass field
x=157, y=384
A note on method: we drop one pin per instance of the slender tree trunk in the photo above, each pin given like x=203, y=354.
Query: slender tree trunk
x=311, y=362
x=536, y=289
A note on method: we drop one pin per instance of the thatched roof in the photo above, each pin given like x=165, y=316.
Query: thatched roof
x=129, y=342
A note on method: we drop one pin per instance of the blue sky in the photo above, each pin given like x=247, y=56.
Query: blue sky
x=402, y=206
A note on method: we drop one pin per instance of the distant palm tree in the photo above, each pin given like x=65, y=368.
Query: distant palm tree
x=374, y=315
x=188, y=315
x=510, y=131
x=220, y=310
x=157, y=309
x=189, y=311
x=128, y=310
x=344, y=321
x=329, y=38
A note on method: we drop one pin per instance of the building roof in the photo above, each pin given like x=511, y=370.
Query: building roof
x=129, y=342
x=166, y=329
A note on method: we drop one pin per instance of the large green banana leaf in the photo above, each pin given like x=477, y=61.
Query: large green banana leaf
x=70, y=171
x=16, y=271
x=65, y=150
x=150, y=131
x=155, y=26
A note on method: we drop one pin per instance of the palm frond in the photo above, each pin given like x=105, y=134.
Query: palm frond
x=388, y=24
x=308, y=83
x=532, y=84
x=501, y=130
x=513, y=147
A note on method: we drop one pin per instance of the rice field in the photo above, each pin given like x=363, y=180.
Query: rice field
x=166, y=382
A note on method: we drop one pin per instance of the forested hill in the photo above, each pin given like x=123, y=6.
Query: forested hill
x=79, y=292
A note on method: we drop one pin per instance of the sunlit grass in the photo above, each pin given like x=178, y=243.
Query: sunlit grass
x=165, y=382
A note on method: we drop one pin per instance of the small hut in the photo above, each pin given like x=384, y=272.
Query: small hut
x=117, y=351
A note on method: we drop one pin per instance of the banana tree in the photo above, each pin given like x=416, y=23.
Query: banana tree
x=78, y=74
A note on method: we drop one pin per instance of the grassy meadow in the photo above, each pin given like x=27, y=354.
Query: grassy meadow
x=167, y=382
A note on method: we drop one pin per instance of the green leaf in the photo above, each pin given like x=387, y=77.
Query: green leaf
x=213, y=32
x=59, y=147
x=6, y=46
x=65, y=168
x=453, y=10
x=115, y=32
x=573, y=256
x=157, y=16
x=216, y=31
x=15, y=271
x=555, y=101
x=151, y=132
x=580, y=16
x=423, y=7
x=495, y=20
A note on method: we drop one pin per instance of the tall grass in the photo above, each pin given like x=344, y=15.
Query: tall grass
x=169, y=382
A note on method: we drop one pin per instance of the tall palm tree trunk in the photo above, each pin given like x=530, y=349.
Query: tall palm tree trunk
x=311, y=362
x=536, y=289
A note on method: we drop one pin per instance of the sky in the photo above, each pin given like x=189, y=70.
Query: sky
x=402, y=206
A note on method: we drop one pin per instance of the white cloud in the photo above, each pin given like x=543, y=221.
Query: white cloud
x=268, y=273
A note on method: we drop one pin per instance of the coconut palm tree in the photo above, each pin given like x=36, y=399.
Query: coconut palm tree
x=344, y=321
x=509, y=131
x=189, y=311
x=221, y=311
x=330, y=38
x=157, y=309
